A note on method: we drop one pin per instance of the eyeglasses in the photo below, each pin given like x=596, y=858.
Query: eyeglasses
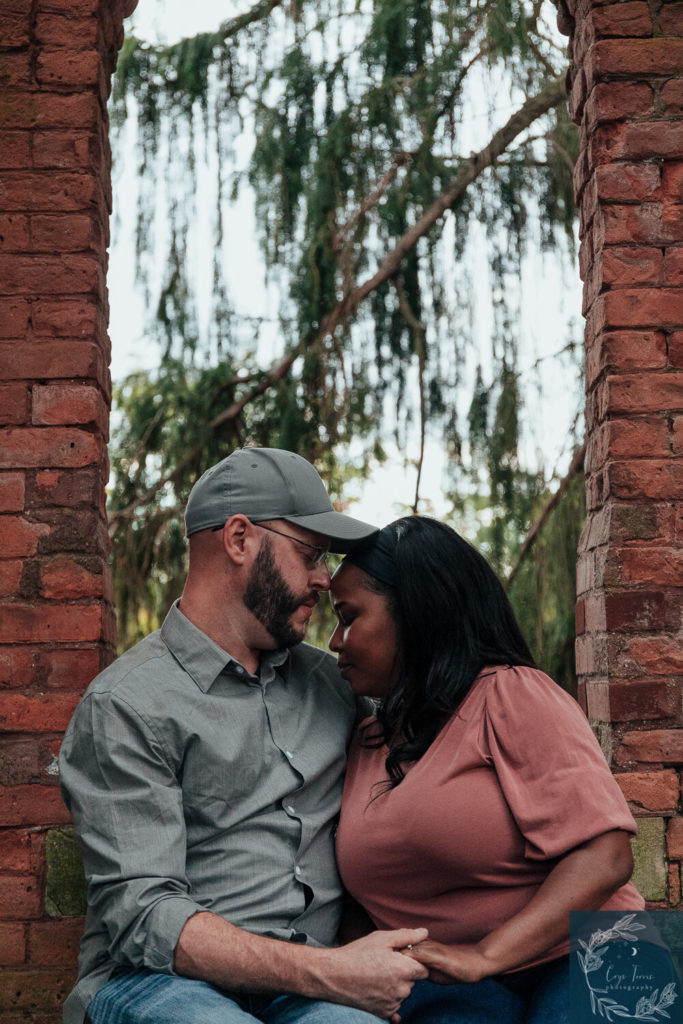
x=318, y=554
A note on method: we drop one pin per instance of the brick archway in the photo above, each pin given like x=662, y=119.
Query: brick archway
x=56, y=622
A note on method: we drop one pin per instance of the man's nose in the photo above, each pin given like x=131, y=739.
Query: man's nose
x=320, y=577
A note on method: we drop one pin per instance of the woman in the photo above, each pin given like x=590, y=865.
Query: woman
x=477, y=802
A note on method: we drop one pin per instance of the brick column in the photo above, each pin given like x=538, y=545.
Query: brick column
x=56, y=622
x=627, y=96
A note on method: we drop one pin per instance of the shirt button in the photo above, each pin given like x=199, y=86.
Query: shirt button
x=290, y=809
x=289, y=754
x=297, y=870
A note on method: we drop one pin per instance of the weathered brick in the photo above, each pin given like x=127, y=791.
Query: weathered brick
x=68, y=318
x=674, y=838
x=80, y=530
x=69, y=404
x=49, y=191
x=676, y=349
x=14, y=401
x=643, y=699
x=12, y=490
x=55, y=942
x=64, y=578
x=66, y=233
x=634, y=141
x=49, y=275
x=48, y=713
x=646, y=478
x=672, y=181
x=642, y=393
x=657, y=746
x=10, y=575
x=15, y=70
x=616, y=100
x=624, y=351
x=631, y=19
x=633, y=57
x=55, y=359
x=45, y=623
x=31, y=805
x=71, y=150
x=674, y=888
x=15, y=29
x=14, y=314
x=673, y=265
x=70, y=488
x=650, y=791
x=25, y=760
x=623, y=438
x=57, y=29
x=671, y=96
x=661, y=655
x=36, y=109
x=12, y=943
x=671, y=19
x=652, y=223
x=20, y=537
x=15, y=851
x=68, y=67
x=626, y=265
x=639, y=307
x=30, y=991
x=14, y=235
x=677, y=435
x=597, y=700
x=642, y=565
x=16, y=670
x=650, y=875
x=48, y=446
x=68, y=668
x=627, y=182
x=19, y=897
x=634, y=611
x=15, y=150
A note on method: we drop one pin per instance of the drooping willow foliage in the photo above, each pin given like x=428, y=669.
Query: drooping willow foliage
x=386, y=137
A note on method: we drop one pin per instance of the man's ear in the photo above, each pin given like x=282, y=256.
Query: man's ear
x=238, y=538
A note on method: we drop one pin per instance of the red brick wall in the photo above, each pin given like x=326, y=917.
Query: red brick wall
x=56, y=623
x=627, y=95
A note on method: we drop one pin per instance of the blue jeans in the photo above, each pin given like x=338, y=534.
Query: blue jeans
x=144, y=997
x=539, y=995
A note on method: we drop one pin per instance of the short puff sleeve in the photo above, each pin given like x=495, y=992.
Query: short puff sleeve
x=551, y=769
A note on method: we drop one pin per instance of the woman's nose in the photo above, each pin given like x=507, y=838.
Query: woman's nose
x=335, y=641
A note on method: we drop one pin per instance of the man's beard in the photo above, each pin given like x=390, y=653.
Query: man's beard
x=268, y=597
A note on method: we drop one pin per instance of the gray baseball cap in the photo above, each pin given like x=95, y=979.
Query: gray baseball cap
x=268, y=483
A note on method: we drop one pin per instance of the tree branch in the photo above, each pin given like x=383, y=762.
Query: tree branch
x=575, y=466
x=258, y=12
x=549, y=97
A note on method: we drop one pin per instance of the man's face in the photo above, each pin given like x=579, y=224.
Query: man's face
x=282, y=588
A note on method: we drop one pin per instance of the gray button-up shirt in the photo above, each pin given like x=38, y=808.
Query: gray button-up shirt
x=196, y=786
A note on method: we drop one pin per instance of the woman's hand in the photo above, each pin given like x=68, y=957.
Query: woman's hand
x=449, y=964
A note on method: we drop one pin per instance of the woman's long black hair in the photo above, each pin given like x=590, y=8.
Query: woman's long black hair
x=453, y=619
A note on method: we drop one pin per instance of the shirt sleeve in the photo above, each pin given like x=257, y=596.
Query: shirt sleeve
x=126, y=803
x=551, y=769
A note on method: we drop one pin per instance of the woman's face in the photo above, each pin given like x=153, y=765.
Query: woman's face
x=365, y=636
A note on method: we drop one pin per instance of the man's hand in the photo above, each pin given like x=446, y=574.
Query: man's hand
x=371, y=973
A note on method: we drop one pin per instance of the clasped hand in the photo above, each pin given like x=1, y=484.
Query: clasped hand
x=449, y=964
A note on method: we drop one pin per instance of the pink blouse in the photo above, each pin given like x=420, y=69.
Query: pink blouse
x=512, y=782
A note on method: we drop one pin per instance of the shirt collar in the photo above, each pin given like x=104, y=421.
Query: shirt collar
x=200, y=656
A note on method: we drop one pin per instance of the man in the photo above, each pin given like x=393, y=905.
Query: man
x=203, y=770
